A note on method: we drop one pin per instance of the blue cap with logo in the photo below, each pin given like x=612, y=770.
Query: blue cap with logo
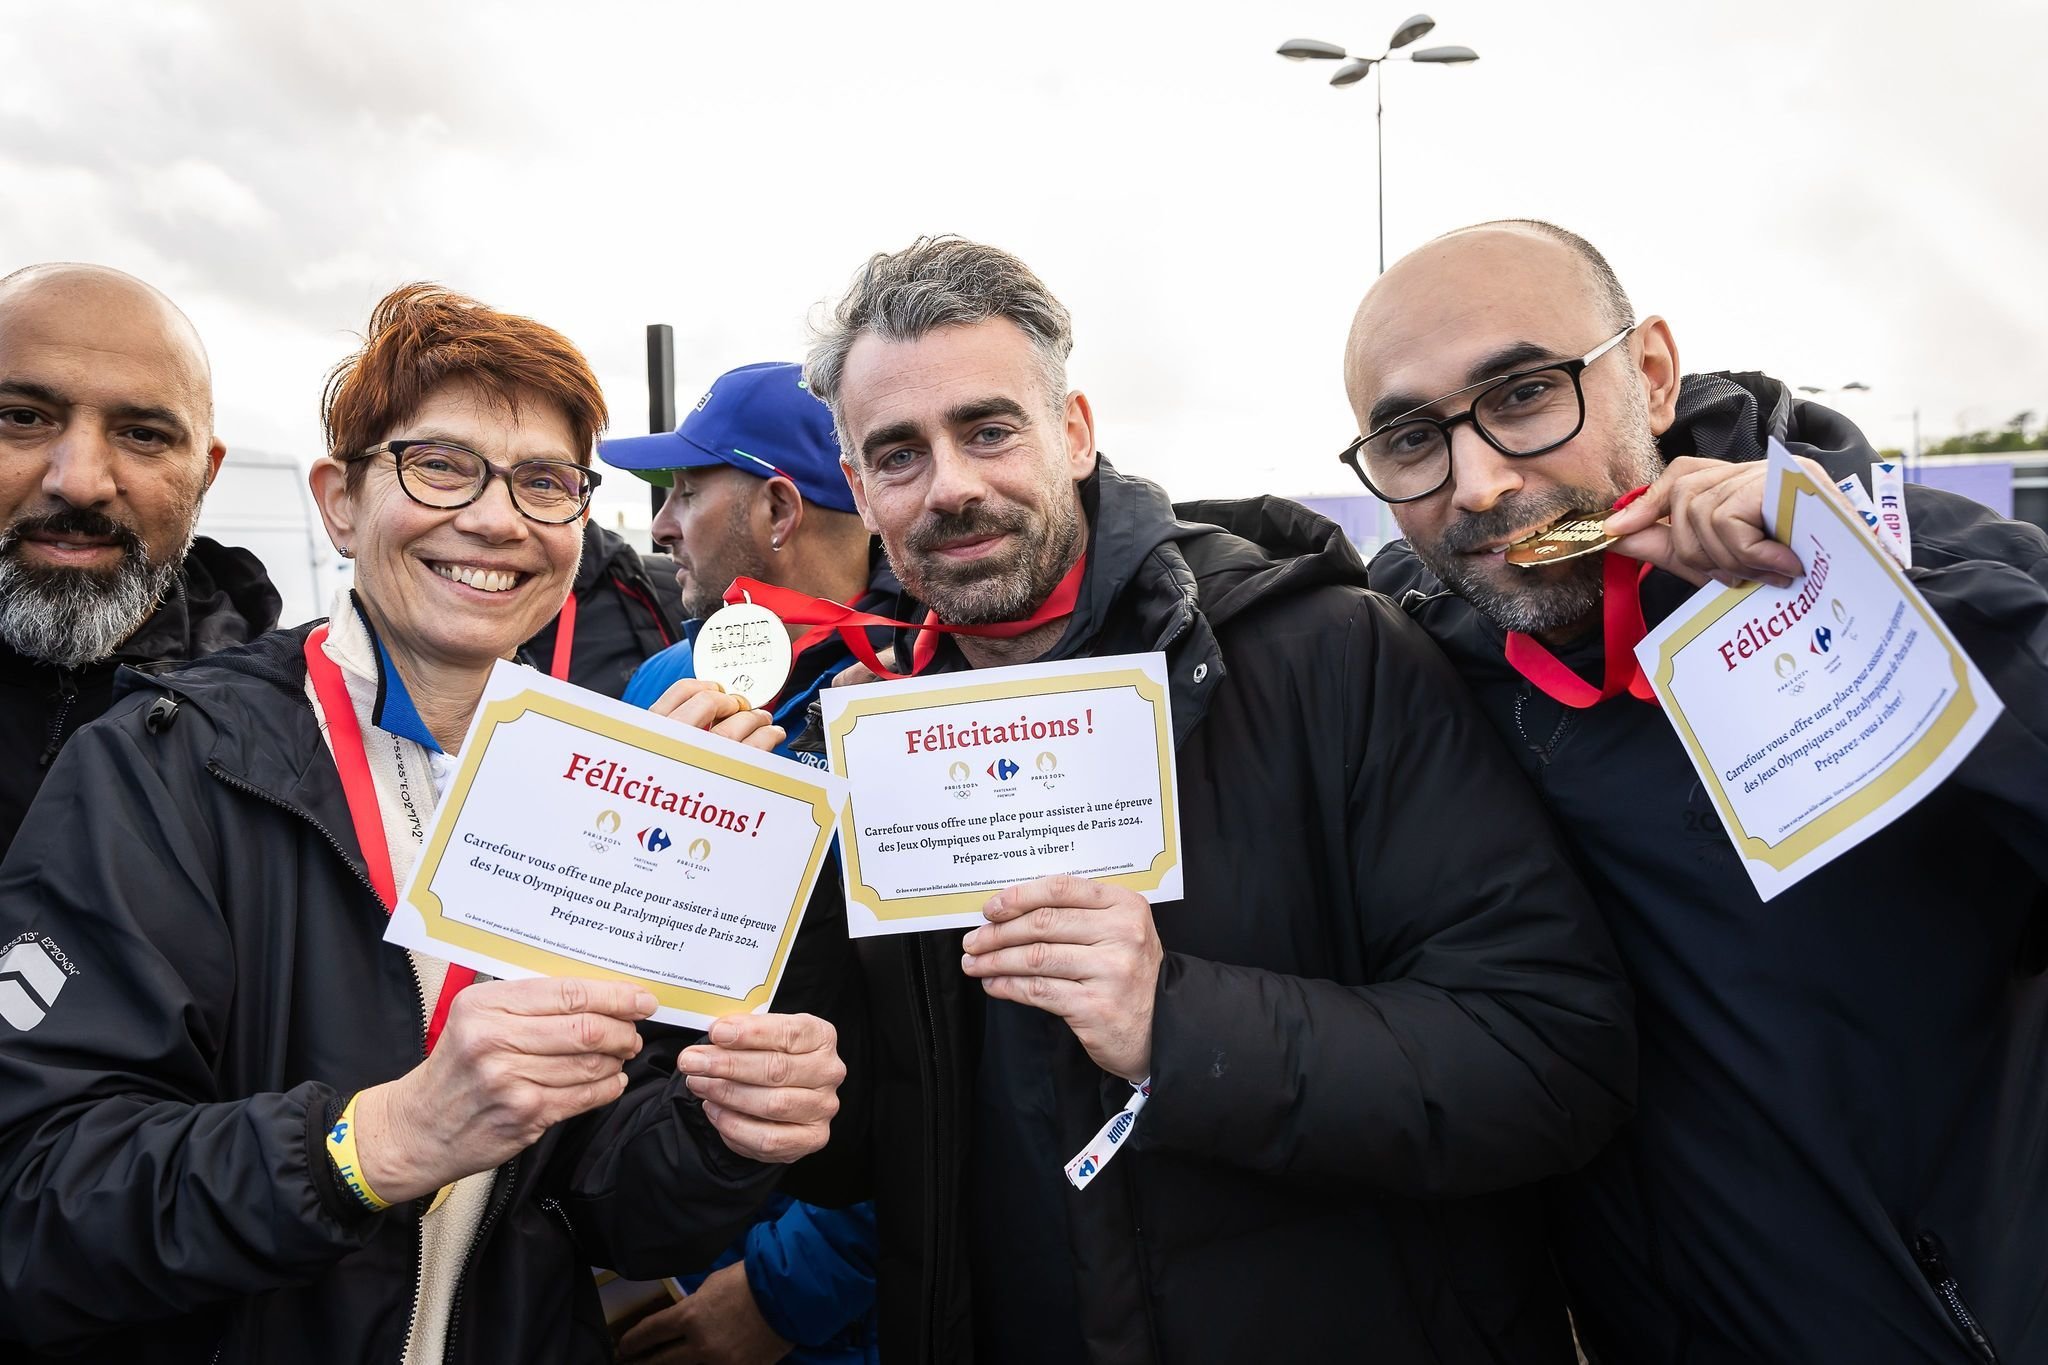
x=762, y=419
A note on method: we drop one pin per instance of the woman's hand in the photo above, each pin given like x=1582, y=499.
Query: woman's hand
x=515, y=1058
x=769, y=1082
x=705, y=705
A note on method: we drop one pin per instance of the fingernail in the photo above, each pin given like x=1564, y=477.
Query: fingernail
x=725, y=1033
x=967, y=962
x=690, y=1061
x=711, y=1111
x=645, y=1003
x=967, y=943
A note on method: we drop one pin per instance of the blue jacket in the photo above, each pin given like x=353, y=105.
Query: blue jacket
x=812, y=1270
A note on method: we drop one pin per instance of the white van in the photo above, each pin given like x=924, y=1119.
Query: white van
x=261, y=502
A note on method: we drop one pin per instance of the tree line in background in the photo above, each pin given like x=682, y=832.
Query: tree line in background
x=2023, y=432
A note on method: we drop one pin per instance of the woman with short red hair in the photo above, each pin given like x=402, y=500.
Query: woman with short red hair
x=254, y=1131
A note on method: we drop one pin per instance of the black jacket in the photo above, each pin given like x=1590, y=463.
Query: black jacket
x=161, y=1162
x=626, y=613
x=221, y=597
x=1843, y=1102
x=1387, y=1005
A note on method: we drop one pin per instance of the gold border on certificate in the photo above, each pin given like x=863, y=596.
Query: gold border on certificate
x=962, y=902
x=646, y=738
x=1916, y=760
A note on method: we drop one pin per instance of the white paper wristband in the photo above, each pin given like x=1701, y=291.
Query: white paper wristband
x=1089, y=1161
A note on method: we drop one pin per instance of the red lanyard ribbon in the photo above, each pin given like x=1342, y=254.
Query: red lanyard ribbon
x=852, y=625
x=352, y=760
x=1622, y=629
x=565, y=640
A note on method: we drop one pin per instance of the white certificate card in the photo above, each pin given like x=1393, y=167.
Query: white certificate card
x=1816, y=714
x=967, y=783
x=585, y=837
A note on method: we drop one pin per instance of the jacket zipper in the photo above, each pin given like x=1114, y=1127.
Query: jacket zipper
x=553, y=1206
x=419, y=1256
x=921, y=986
x=67, y=697
x=501, y=1198
x=1932, y=1258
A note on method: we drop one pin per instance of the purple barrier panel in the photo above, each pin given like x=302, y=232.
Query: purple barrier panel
x=1990, y=484
x=1359, y=515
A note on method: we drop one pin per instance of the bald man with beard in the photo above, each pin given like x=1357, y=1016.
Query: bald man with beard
x=106, y=447
x=1840, y=1149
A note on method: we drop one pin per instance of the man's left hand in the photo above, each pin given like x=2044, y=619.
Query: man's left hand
x=720, y=1324
x=1704, y=519
x=1083, y=950
x=769, y=1083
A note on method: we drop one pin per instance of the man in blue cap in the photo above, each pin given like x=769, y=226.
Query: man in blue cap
x=756, y=491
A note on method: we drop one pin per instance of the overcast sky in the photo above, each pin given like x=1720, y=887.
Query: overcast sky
x=1826, y=191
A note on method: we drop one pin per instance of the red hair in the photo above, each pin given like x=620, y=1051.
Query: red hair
x=421, y=336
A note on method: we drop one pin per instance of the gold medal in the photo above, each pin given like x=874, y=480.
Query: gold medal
x=1569, y=537
x=744, y=648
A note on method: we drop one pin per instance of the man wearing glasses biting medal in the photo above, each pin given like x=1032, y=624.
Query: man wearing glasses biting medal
x=1836, y=1154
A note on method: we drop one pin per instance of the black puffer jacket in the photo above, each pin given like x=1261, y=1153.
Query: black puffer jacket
x=1386, y=1006
x=1841, y=1150
x=626, y=613
x=221, y=597
x=164, y=1190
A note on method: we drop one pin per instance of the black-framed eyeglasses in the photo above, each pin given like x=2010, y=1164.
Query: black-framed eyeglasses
x=443, y=475
x=1529, y=412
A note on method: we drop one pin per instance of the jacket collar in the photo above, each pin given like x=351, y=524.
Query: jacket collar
x=221, y=596
x=353, y=643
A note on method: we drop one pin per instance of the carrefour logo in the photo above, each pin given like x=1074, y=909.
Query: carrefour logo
x=1823, y=640
x=1002, y=770
x=654, y=839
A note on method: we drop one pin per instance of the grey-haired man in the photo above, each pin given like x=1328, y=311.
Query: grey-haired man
x=1363, y=1035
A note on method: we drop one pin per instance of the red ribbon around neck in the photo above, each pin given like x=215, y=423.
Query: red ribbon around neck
x=852, y=625
x=1622, y=629
x=352, y=760
x=565, y=640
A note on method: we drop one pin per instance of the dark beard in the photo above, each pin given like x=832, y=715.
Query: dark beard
x=72, y=617
x=1542, y=599
x=1003, y=587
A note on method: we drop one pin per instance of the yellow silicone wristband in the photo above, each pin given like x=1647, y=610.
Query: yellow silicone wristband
x=341, y=1149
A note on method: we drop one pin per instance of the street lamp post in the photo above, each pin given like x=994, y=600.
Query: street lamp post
x=1355, y=69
